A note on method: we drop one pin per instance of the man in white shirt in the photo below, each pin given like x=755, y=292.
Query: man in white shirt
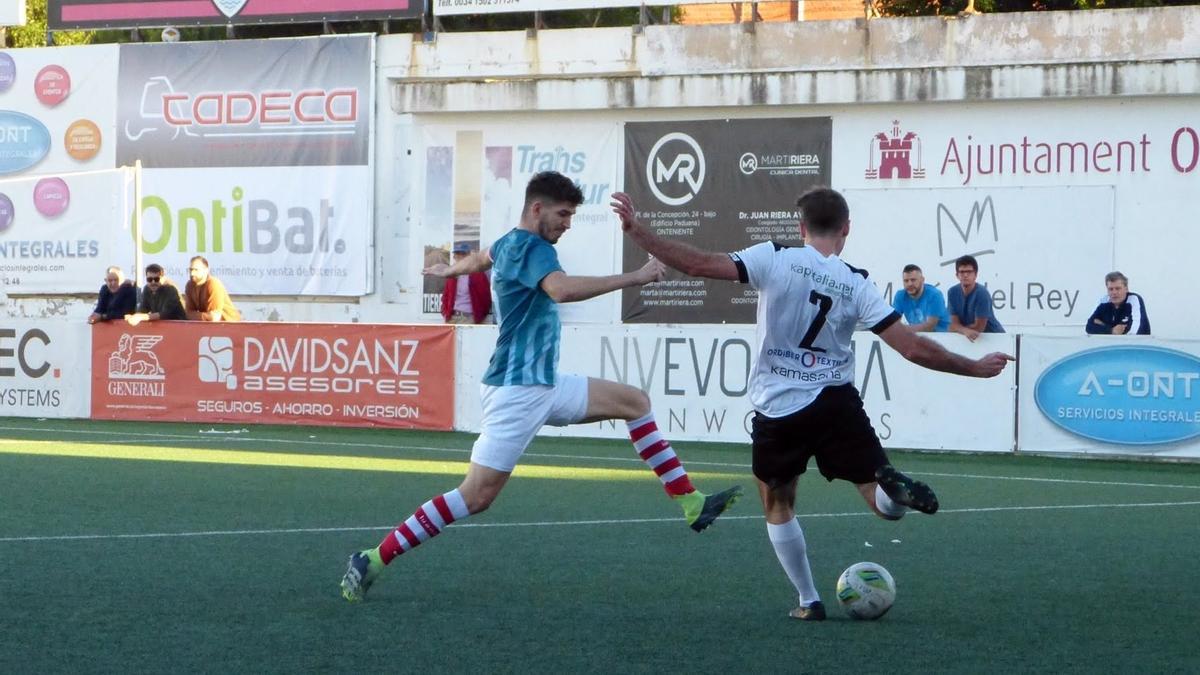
x=801, y=384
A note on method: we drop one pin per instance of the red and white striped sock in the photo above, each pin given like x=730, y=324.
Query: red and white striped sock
x=657, y=453
x=428, y=521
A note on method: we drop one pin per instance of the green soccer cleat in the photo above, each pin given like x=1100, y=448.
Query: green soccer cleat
x=364, y=567
x=700, y=510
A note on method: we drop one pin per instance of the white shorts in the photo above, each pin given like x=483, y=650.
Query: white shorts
x=512, y=416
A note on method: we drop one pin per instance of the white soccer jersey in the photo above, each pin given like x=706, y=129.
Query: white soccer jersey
x=808, y=309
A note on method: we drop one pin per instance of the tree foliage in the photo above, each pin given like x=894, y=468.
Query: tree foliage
x=952, y=7
x=33, y=33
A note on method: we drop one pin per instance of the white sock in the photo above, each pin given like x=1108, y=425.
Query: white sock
x=790, y=548
x=886, y=506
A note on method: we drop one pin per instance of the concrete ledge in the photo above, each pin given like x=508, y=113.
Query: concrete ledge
x=981, y=83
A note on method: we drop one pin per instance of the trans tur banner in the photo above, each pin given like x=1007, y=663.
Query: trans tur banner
x=258, y=157
x=272, y=373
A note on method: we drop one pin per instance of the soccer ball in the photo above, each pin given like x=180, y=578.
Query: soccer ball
x=866, y=590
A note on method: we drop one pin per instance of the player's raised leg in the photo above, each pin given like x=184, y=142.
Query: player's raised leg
x=612, y=400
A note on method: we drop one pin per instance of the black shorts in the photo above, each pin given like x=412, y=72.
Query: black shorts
x=834, y=428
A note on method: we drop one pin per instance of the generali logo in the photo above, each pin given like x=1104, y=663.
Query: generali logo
x=134, y=368
x=897, y=156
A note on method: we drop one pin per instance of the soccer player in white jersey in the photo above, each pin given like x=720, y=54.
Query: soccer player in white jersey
x=801, y=386
x=522, y=389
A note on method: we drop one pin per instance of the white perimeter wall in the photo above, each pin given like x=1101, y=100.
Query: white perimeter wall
x=696, y=378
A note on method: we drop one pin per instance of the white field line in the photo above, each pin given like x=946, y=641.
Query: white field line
x=559, y=523
x=128, y=437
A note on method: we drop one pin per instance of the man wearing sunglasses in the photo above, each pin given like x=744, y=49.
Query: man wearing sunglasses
x=160, y=299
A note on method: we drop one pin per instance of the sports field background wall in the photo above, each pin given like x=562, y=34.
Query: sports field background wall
x=1053, y=146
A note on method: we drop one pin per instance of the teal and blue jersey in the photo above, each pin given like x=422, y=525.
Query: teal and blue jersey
x=527, y=347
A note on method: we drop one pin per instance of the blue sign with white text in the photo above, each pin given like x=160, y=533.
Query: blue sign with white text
x=24, y=141
x=1124, y=395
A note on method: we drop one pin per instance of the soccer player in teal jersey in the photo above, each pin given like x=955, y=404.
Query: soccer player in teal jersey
x=522, y=389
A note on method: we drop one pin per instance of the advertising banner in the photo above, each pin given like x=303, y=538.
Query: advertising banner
x=1019, y=236
x=1040, y=192
x=474, y=190
x=58, y=234
x=720, y=185
x=268, y=373
x=58, y=109
x=44, y=368
x=697, y=379
x=260, y=234
x=75, y=14
x=258, y=157
x=452, y=7
x=1126, y=395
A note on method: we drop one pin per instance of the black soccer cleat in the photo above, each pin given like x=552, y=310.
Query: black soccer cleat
x=905, y=491
x=700, y=515
x=813, y=612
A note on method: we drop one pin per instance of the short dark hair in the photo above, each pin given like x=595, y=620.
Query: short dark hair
x=910, y=268
x=200, y=258
x=966, y=261
x=554, y=187
x=823, y=210
x=1116, y=276
x=154, y=268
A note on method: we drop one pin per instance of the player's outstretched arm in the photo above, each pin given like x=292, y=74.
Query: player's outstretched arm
x=683, y=257
x=563, y=288
x=477, y=261
x=929, y=354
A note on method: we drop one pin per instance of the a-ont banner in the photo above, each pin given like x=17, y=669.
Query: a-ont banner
x=1118, y=395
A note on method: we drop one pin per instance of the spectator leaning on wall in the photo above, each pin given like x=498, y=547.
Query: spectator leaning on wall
x=205, y=295
x=1121, y=313
x=160, y=299
x=923, y=307
x=118, y=297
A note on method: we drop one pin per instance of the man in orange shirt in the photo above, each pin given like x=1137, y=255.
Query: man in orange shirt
x=205, y=296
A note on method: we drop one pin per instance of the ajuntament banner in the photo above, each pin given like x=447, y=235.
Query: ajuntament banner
x=76, y=14
x=271, y=373
x=720, y=185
